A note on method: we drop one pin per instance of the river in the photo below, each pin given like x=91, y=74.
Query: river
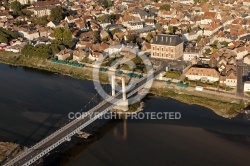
x=35, y=103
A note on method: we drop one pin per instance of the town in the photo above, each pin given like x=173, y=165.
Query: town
x=206, y=42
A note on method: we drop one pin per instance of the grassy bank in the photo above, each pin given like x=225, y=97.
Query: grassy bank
x=43, y=64
x=222, y=108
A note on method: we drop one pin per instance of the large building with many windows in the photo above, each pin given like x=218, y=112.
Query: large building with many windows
x=167, y=46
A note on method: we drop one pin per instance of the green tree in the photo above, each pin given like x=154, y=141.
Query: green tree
x=27, y=13
x=5, y=4
x=149, y=37
x=56, y=14
x=171, y=29
x=130, y=38
x=107, y=3
x=16, y=7
x=67, y=37
x=166, y=7
x=115, y=31
x=58, y=32
x=139, y=40
x=3, y=39
x=199, y=38
x=105, y=18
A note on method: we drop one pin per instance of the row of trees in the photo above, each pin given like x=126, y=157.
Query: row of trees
x=7, y=35
x=42, y=50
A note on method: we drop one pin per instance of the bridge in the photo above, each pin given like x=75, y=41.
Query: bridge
x=65, y=133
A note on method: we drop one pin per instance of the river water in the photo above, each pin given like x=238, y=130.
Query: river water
x=35, y=103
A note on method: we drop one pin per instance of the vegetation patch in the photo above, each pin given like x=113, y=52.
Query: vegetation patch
x=222, y=108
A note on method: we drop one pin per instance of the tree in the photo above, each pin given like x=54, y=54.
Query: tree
x=130, y=38
x=171, y=29
x=166, y=7
x=5, y=4
x=63, y=36
x=67, y=37
x=3, y=39
x=56, y=14
x=115, y=31
x=107, y=3
x=149, y=37
x=27, y=13
x=139, y=40
x=199, y=38
x=16, y=7
x=58, y=32
x=96, y=35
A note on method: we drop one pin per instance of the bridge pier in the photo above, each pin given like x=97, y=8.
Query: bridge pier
x=123, y=104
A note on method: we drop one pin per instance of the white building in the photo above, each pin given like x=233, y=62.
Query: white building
x=135, y=25
x=202, y=74
x=246, y=3
x=189, y=56
x=231, y=80
x=247, y=86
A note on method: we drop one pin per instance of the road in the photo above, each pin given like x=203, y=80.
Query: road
x=39, y=148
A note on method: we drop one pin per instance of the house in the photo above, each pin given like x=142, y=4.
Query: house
x=134, y=25
x=94, y=56
x=146, y=46
x=43, y=8
x=3, y=46
x=247, y=60
x=79, y=54
x=190, y=53
x=241, y=52
x=24, y=2
x=52, y=24
x=187, y=2
x=29, y=34
x=167, y=47
x=203, y=74
x=104, y=35
x=231, y=79
x=208, y=17
x=246, y=3
x=63, y=54
x=15, y=48
x=247, y=86
x=128, y=52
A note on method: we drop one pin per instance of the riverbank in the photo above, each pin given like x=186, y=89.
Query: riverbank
x=42, y=64
x=223, y=106
x=8, y=151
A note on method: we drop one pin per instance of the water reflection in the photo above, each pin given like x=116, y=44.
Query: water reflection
x=121, y=136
